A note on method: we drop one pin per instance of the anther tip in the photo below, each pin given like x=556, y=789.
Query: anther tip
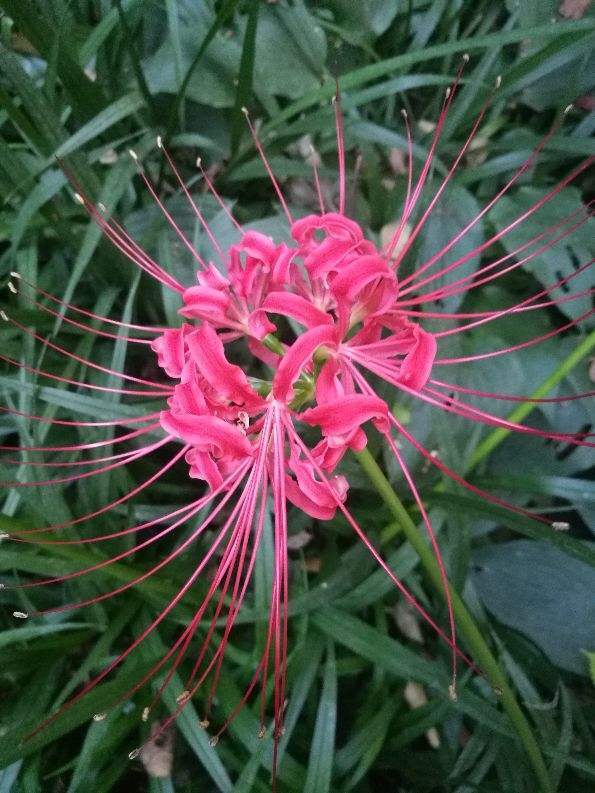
x=465, y=57
x=20, y=615
x=199, y=162
x=145, y=714
x=79, y=199
x=568, y=108
x=14, y=274
x=404, y=113
x=498, y=81
x=133, y=754
x=133, y=154
x=159, y=142
x=214, y=741
x=99, y=716
x=4, y=316
x=12, y=288
x=452, y=693
x=560, y=525
x=245, y=111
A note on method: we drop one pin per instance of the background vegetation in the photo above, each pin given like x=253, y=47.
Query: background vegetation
x=85, y=80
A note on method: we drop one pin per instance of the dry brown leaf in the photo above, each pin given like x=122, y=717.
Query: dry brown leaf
x=157, y=753
x=415, y=697
x=397, y=161
x=386, y=234
x=407, y=622
x=313, y=564
x=298, y=540
x=574, y=9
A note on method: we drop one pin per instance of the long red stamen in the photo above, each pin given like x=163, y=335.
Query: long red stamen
x=313, y=162
x=504, y=312
x=437, y=463
x=126, y=245
x=134, y=455
x=83, y=446
x=156, y=622
x=143, y=577
x=64, y=423
x=111, y=505
x=372, y=550
x=340, y=133
x=82, y=326
x=85, y=312
x=412, y=201
x=391, y=375
x=217, y=196
x=420, y=224
x=268, y=168
x=168, y=216
x=80, y=384
x=478, y=277
x=502, y=232
x=67, y=354
x=199, y=215
x=514, y=347
x=450, y=387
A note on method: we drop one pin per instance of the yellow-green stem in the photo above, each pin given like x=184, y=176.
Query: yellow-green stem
x=496, y=437
x=465, y=622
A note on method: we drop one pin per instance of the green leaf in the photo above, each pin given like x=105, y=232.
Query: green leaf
x=245, y=76
x=591, y=661
x=111, y=115
x=373, y=71
x=33, y=631
x=544, y=594
x=320, y=765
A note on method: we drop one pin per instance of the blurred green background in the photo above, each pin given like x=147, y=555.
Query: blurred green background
x=85, y=80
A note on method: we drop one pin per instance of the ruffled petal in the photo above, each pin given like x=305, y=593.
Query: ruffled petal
x=297, y=357
x=417, y=364
x=207, y=352
x=207, y=434
x=297, y=307
x=170, y=349
x=202, y=466
x=332, y=223
x=204, y=302
x=259, y=325
x=342, y=418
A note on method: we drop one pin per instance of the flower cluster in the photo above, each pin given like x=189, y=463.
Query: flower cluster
x=337, y=296
x=324, y=319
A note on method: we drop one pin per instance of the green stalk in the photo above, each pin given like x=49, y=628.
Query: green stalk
x=496, y=437
x=466, y=625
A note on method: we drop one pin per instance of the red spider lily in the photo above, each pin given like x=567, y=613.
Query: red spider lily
x=359, y=323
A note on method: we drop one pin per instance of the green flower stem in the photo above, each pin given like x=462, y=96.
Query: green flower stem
x=273, y=344
x=496, y=437
x=480, y=650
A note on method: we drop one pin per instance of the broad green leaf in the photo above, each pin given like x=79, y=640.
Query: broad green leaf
x=320, y=765
x=544, y=594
